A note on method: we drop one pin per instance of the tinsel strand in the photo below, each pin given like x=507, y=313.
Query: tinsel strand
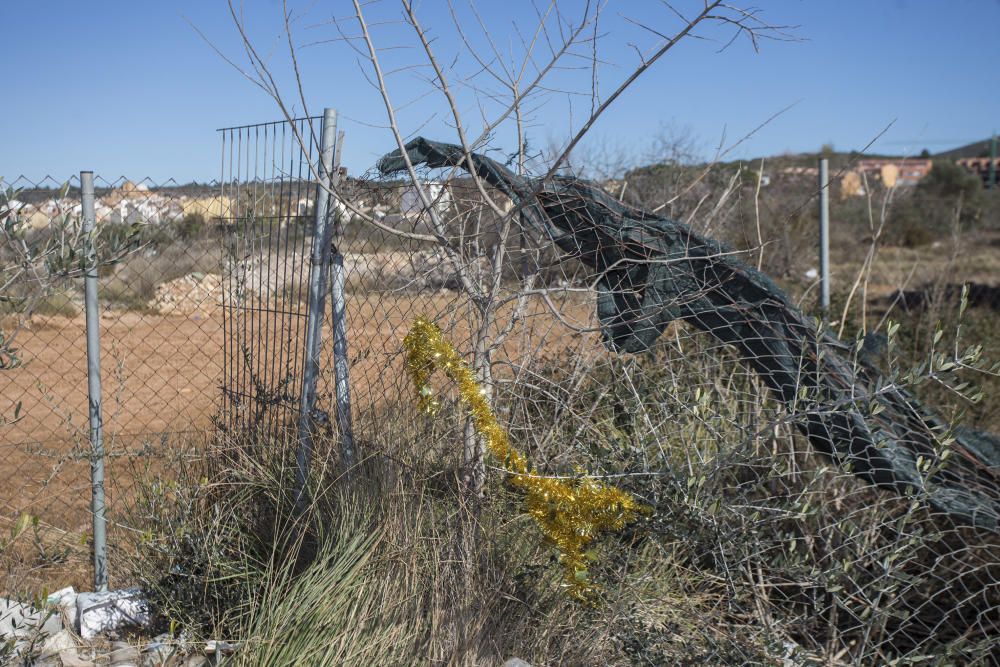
x=570, y=513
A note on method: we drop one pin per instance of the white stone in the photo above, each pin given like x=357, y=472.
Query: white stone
x=18, y=620
x=57, y=646
x=64, y=600
x=124, y=654
x=26, y=626
x=107, y=612
x=220, y=647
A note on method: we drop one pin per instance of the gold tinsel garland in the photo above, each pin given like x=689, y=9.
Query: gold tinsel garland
x=571, y=513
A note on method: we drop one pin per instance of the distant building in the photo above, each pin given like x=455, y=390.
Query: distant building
x=211, y=208
x=980, y=166
x=412, y=206
x=894, y=172
x=11, y=208
x=811, y=172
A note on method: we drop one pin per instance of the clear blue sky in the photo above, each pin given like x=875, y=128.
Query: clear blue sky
x=129, y=87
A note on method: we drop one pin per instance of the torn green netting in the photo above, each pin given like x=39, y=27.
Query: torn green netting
x=653, y=270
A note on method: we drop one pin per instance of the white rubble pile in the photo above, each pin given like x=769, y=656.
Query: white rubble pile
x=101, y=613
x=25, y=629
x=84, y=630
x=421, y=269
x=190, y=294
x=73, y=630
x=263, y=278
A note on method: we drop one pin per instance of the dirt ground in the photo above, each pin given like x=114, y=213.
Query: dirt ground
x=164, y=373
x=162, y=376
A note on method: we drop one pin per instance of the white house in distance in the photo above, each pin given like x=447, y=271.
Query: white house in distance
x=411, y=206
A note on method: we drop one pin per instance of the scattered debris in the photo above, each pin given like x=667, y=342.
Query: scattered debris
x=24, y=628
x=163, y=650
x=103, y=613
x=46, y=637
x=124, y=654
x=202, y=293
x=61, y=649
x=64, y=601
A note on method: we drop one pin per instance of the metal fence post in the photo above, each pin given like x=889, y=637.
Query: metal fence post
x=992, y=179
x=93, y=315
x=318, y=270
x=824, y=236
x=341, y=365
x=338, y=308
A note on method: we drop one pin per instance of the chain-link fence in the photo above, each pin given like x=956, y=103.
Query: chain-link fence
x=807, y=502
x=160, y=250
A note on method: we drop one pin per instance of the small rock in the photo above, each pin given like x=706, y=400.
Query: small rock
x=65, y=601
x=213, y=646
x=56, y=646
x=73, y=659
x=25, y=627
x=108, y=612
x=516, y=662
x=196, y=661
x=18, y=620
x=124, y=654
x=157, y=652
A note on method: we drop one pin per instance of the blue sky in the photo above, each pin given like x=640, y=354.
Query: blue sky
x=130, y=88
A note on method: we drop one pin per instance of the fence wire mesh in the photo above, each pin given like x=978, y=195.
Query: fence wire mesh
x=159, y=250
x=267, y=178
x=825, y=506
x=788, y=551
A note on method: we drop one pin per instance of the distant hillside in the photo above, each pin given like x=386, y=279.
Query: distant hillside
x=838, y=160
x=975, y=149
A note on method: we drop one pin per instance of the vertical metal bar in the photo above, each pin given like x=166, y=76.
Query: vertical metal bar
x=992, y=182
x=242, y=258
x=338, y=306
x=224, y=223
x=282, y=369
x=824, y=236
x=341, y=363
x=319, y=263
x=97, y=501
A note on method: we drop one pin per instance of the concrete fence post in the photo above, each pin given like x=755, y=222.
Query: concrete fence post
x=97, y=499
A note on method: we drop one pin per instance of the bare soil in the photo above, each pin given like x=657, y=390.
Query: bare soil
x=162, y=377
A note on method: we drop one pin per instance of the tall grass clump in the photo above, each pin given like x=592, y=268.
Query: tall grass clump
x=389, y=565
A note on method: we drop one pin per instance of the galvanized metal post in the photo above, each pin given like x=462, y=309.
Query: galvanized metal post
x=992, y=180
x=97, y=503
x=341, y=364
x=824, y=236
x=318, y=271
x=338, y=307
